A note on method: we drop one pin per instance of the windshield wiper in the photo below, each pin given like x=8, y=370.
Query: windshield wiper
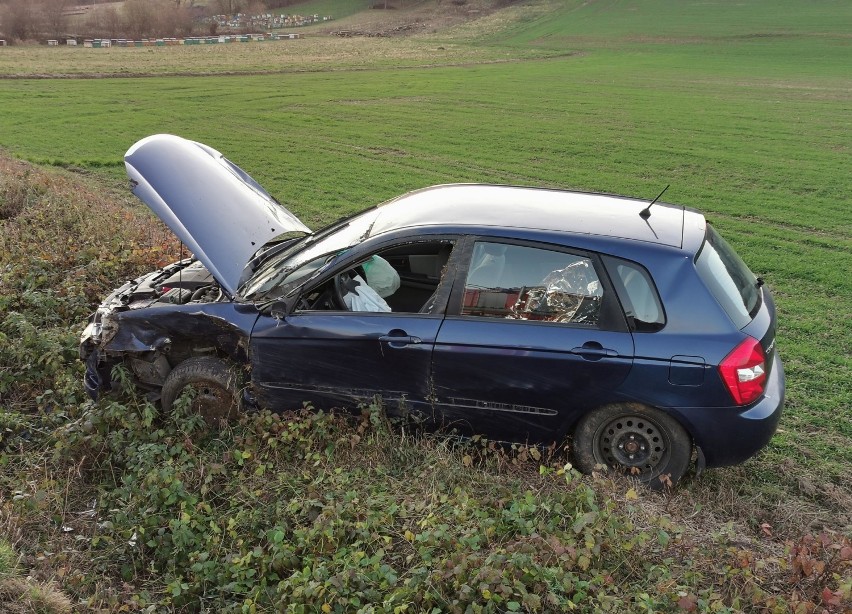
x=268, y=285
x=258, y=261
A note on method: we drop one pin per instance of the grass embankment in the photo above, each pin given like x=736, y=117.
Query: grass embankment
x=752, y=130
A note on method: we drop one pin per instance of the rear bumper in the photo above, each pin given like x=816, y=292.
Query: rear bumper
x=728, y=436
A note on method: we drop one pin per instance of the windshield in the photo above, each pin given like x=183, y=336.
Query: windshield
x=307, y=258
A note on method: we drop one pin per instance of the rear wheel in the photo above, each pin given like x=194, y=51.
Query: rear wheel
x=635, y=440
x=215, y=384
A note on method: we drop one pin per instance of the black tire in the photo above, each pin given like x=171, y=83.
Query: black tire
x=635, y=440
x=216, y=383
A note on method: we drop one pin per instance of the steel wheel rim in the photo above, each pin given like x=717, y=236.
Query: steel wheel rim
x=211, y=402
x=633, y=444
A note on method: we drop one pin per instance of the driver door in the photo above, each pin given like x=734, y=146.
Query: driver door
x=329, y=356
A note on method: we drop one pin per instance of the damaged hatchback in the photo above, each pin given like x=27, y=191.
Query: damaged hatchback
x=519, y=313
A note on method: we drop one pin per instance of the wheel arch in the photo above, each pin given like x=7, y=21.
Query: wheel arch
x=153, y=346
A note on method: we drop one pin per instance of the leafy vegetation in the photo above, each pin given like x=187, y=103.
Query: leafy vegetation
x=115, y=507
x=127, y=509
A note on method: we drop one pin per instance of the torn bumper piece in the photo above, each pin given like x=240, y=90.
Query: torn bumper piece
x=97, y=376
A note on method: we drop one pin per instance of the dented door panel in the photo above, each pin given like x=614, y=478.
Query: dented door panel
x=338, y=359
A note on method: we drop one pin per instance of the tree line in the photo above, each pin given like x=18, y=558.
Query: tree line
x=55, y=19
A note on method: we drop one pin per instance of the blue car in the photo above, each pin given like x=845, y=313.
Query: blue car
x=634, y=331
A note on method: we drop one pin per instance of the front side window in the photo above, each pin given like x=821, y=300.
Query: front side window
x=405, y=278
x=515, y=282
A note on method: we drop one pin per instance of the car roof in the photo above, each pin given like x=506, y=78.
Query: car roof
x=487, y=206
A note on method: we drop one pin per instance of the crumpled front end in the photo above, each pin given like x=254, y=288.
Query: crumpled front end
x=179, y=308
x=97, y=377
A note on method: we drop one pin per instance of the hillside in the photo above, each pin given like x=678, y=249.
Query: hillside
x=402, y=17
x=638, y=20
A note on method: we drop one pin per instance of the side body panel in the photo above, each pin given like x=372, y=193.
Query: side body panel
x=677, y=368
x=523, y=380
x=223, y=326
x=155, y=339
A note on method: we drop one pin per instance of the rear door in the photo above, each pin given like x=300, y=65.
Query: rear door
x=534, y=337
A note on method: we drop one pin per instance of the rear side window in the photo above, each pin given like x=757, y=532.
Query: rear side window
x=638, y=295
x=525, y=283
x=728, y=278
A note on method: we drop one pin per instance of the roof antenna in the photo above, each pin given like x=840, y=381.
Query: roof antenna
x=646, y=212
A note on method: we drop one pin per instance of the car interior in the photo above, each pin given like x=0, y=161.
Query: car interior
x=419, y=265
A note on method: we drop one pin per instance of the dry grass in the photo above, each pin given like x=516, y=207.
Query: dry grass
x=706, y=537
x=18, y=594
x=302, y=55
x=38, y=208
x=24, y=596
x=413, y=18
x=493, y=24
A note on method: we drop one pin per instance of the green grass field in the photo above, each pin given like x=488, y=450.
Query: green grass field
x=745, y=109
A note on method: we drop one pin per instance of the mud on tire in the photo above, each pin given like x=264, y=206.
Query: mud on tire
x=216, y=384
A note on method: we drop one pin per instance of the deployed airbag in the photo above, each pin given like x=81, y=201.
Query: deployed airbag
x=381, y=276
x=364, y=298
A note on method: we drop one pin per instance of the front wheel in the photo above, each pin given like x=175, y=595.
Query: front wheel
x=215, y=384
x=635, y=440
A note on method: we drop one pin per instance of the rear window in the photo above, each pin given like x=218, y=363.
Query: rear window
x=728, y=278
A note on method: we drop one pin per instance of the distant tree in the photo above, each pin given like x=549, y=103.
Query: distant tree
x=185, y=22
x=93, y=24
x=53, y=17
x=113, y=22
x=19, y=19
x=173, y=20
x=141, y=17
x=255, y=8
x=226, y=7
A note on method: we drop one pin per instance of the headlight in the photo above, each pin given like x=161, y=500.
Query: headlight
x=91, y=334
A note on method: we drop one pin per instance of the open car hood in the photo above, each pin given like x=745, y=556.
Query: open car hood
x=212, y=205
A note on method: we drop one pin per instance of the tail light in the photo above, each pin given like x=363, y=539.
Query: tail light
x=744, y=371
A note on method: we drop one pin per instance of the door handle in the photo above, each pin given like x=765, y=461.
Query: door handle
x=592, y=350
x=398, y=339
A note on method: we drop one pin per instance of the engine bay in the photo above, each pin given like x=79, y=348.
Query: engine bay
x=186, y=281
